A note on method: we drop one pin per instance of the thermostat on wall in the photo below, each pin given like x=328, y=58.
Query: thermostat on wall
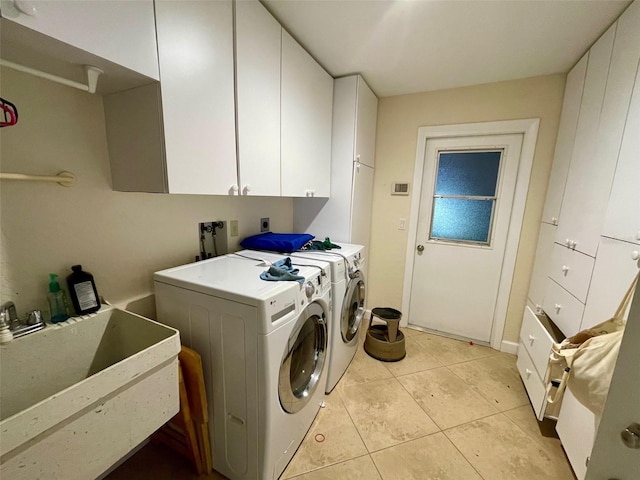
x=398, y=188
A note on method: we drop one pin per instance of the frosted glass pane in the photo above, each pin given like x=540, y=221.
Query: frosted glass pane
x=473, y=174
x=462, y=219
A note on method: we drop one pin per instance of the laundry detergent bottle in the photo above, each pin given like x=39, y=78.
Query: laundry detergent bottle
x=82, y=289
x=57, y=300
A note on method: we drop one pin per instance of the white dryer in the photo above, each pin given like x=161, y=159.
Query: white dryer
x=263, y=346
x=348, y=286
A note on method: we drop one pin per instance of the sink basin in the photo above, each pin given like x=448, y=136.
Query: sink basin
x=79, y=395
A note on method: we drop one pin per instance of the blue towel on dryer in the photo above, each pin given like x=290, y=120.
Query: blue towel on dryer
x=282, y=271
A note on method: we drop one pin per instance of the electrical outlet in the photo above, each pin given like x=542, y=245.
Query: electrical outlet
x=264, y=224
x=233, y=228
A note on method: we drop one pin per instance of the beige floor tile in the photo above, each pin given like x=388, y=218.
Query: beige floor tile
x=340, y=440
x=411, y=332
x=451, y=351
x=385, y=414
x=416, y=360
x=542, y=432
x=500, y=450
x=446, y=398
x=362, y=369
x=496, y=378
x=361, y=468
x=431, y=457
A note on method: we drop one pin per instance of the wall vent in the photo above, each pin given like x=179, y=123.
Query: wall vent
x=399, y=188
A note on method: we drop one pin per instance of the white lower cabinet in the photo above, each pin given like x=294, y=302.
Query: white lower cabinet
x=563, y=309
x=536, y=338
x=541, y=264
x=576, y=429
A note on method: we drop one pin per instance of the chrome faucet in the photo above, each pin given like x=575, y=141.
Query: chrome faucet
x=18, y=328
x=10, y=314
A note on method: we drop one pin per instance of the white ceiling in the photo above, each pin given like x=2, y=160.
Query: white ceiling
x=407, y=46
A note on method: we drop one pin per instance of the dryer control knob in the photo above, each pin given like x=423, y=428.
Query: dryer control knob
x=309, y=289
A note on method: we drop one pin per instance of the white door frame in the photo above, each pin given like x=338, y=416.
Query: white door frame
x=529, y=129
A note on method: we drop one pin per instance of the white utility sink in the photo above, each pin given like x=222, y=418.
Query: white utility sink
x=78, y=396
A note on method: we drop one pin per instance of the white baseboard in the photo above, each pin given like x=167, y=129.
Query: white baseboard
x=509, y=347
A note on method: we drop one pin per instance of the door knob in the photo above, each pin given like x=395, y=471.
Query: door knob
x=631, y=435
x=420, y=248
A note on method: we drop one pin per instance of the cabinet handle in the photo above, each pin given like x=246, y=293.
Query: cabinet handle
x=554, y=220
x=557, y=306
x=310, y=193
x=528, y=372
x=565, y=269
x=234, y=189
x=247, y=189
x=635, y=255
x=532, y=339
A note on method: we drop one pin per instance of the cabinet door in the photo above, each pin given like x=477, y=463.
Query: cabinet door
x=564, y=143
x=258, y=51
x=576, y=429
x=613, y=272
x=589, y=180
x=122, y=32
x=541, y=264
x=623, y=216
x=307, y=97
x=361, y=199
x=195, y=48
x=366, y=121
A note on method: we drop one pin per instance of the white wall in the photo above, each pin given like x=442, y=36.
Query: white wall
x=121, y=238
x=398, y=121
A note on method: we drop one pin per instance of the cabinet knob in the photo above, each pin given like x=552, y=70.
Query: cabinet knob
x=528, y=372
x=565, y=269
x=554, y=220
x=247, y=188
x=25, y=6
x=557, y=306
x=567, y=242
x=635, y=255
x=532, y=339
x=234, y=189
x=631, y=435
x=310, y=193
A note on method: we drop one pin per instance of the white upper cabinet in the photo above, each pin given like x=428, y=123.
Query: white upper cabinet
x=589, y=181
x=121, y=32
x=181, y=139
x=366, y=120
x=623, y=215
x=564, y=143
x=258, y=54
x=195, y=49
x=307, y=96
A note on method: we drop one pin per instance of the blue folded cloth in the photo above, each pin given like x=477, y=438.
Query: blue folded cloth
x=282, y=271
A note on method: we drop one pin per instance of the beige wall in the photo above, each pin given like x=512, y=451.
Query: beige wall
x=398, y=121
x=121, y=238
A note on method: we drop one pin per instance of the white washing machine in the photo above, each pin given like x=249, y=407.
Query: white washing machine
x=348, y=286
x=264, y=347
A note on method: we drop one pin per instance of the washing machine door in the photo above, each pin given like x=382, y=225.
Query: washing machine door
x=353, y=307
x=304, y=358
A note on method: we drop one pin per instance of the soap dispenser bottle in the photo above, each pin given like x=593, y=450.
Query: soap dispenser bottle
x=57, y=300
x=82, y=289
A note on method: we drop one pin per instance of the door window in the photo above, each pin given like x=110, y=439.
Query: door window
x=465, y=196
x=353, y=308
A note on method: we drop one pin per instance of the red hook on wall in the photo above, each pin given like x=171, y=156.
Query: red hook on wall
x=9, y=112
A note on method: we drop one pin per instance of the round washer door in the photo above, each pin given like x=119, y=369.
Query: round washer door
x=352, y=307
x=304, y=358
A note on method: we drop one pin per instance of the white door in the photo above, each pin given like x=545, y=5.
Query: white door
x=611, y=457
x=467, y=194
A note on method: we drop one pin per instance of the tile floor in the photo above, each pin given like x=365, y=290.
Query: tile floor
x=448, y=410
